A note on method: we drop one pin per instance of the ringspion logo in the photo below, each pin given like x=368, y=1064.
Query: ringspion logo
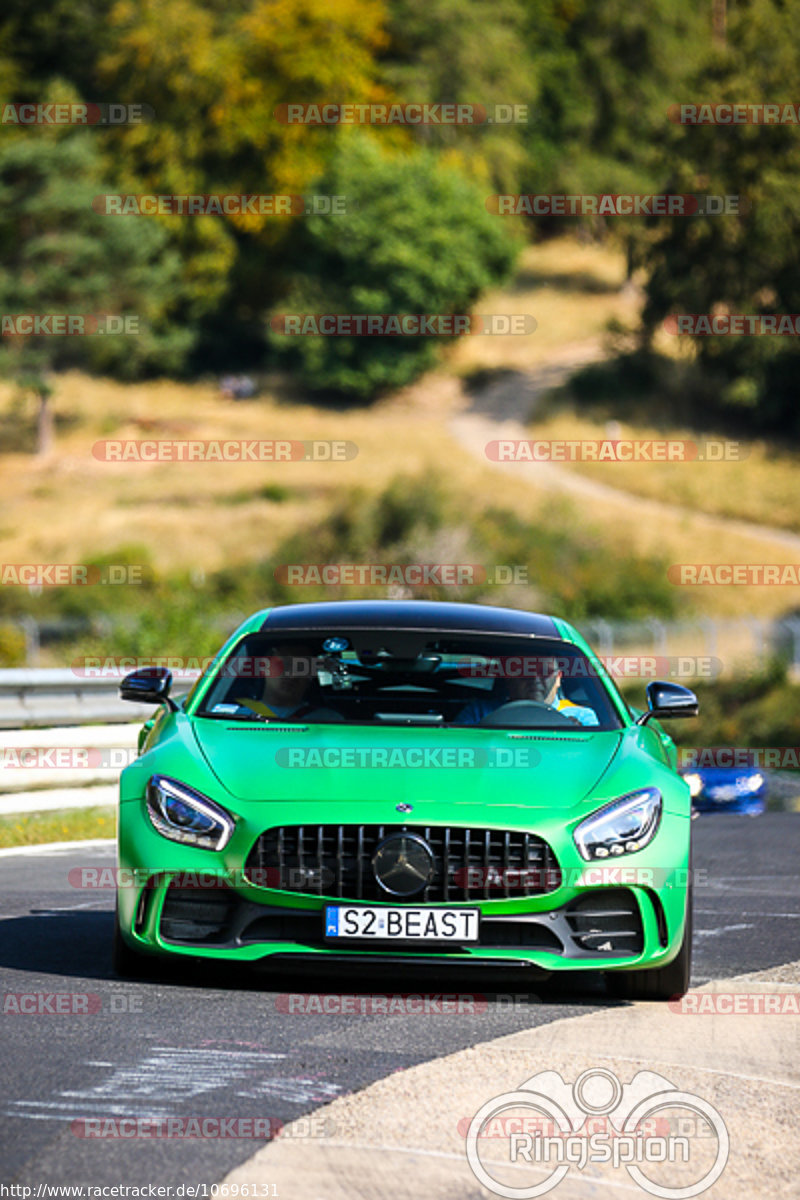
x=641, y=1132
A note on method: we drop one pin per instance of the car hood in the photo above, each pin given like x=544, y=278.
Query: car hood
x=318, y=763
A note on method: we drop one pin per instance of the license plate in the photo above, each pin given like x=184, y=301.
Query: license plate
x=402, y=924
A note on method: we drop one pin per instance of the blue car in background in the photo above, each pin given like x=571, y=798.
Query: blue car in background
x=727, y=789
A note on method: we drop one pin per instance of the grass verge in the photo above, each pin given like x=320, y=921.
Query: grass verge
x=62, y=825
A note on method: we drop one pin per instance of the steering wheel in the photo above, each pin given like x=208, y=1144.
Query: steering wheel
x=527, y=712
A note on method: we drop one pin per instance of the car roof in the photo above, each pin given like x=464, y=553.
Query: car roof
x=441, y=616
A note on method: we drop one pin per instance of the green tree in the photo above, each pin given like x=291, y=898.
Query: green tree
x=447, y=51
x=58, y=256
x=747, y=262
x=416, y=239
x=215, y=72
x=606, y=75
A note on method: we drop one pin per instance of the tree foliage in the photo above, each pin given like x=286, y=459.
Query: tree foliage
x=745, y=263
x=418, y=240
x=597, y=81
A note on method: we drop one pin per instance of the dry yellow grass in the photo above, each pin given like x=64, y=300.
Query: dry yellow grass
x=762, y=485
x=571, y=289
x=72, y=506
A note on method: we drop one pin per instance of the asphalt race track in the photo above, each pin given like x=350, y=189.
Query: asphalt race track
x=213, y=1043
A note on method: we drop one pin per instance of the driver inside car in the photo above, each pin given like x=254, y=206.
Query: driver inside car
x=542, y=688
x=286, y=690
x=280, y=693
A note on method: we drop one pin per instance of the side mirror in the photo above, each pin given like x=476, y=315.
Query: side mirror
x=669, y=700
x=148, y=685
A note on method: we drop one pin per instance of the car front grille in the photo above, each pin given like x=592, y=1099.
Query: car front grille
x=470, y=864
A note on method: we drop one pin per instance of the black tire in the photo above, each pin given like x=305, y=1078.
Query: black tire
x=660, y=983
x=125, y=961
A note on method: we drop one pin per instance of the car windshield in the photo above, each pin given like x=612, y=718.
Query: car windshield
x=410, y=677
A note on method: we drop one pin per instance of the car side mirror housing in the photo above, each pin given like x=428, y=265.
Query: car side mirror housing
x=148, y=685
x=666, y=699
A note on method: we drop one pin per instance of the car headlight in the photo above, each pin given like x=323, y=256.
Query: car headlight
x=695, y=783
x=184, y=815
x=621, y=827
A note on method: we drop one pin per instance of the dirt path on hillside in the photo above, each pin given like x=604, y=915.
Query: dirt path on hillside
x=500, y=409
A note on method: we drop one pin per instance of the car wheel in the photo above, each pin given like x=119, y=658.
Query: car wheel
x=125, y=961
x=661, y=983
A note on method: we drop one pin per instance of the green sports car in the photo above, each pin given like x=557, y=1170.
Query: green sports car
x=405, y=782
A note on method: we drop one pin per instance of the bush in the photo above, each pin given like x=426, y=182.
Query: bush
x=416, y=239
x=568, y=569
x=760, y=710
x=12, y=646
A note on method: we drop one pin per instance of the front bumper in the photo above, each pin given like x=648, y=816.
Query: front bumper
x=628, y=922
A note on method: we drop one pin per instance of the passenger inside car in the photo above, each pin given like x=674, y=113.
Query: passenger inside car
x=542, y=687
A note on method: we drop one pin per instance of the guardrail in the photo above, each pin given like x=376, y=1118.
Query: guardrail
x=32, y=697
x=75, y=766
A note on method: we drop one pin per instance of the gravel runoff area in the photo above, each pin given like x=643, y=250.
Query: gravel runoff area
x=733, y=1043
